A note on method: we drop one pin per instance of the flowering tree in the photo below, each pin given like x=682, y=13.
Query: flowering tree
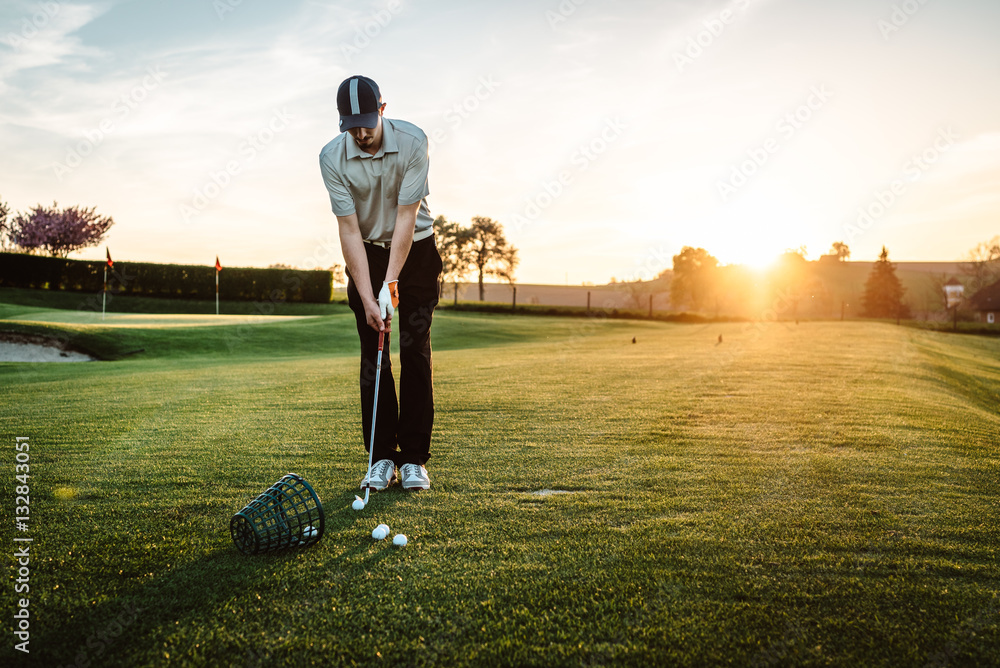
x=4, y=230
x=59, y=233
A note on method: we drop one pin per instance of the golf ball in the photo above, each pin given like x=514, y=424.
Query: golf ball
x=358, y=504
x=399, y=540
x=384, y=528
x=378, y=533
x=309, y=532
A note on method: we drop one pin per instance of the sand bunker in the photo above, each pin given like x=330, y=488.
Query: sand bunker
x=17, y=348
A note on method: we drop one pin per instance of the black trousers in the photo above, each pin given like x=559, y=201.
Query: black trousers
x=408, y=423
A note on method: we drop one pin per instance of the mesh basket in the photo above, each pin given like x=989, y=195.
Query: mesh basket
x=287, y=514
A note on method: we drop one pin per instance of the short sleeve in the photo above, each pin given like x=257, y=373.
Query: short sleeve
x=341, y=200
x=414, y=186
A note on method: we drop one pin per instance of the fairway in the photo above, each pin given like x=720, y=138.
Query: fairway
x=813, y=494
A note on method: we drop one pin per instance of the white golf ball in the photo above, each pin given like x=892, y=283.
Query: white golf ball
x=384, y=528
x=378, y=533
x=358, y=504
x=399, y=540
x=309, y=532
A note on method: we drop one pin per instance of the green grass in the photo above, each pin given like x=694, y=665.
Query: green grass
x=13, y=301
x=825, y=494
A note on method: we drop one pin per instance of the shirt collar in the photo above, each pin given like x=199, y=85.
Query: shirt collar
x=389, y=144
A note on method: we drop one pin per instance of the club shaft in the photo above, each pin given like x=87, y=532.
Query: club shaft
x=371, y=439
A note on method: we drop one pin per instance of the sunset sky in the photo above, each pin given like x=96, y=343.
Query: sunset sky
x=603, y=135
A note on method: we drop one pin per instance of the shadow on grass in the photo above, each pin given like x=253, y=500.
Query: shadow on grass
x=135, y=624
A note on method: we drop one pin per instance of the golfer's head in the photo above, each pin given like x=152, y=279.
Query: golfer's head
x=360, y=105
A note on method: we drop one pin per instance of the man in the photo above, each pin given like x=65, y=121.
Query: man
x=376, y=174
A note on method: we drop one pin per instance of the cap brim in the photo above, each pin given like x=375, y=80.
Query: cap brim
x=359, y=121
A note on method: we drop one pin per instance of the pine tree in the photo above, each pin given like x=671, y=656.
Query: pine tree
x=883, y=296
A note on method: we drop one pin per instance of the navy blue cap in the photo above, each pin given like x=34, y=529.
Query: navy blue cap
x=358, y=102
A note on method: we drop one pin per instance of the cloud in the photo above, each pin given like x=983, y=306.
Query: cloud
x=41, y=34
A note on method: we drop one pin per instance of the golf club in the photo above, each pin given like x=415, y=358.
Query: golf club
x=371, y=439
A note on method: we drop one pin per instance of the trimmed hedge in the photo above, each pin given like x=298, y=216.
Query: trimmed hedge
x=178, y=281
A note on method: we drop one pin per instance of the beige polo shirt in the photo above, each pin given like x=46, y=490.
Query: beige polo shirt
x=373, y=186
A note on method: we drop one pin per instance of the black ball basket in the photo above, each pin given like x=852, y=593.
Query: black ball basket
x=287, y=514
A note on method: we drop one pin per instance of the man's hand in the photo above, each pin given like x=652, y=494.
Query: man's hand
x=372, y=315
x=388, y=299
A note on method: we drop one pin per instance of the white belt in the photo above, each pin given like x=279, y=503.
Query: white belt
x=419, y=235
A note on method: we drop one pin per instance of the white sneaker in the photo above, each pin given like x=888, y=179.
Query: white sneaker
x=414, y=476
x=383, y=473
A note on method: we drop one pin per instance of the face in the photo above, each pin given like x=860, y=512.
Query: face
x=369, y=139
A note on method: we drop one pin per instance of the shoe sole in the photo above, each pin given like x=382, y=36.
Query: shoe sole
x=380, y=489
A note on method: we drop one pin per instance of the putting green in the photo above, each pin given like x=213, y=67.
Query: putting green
x=157, y=320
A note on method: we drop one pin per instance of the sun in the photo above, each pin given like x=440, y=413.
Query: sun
x=757, y=231
x=761, y=260
x=755, y=254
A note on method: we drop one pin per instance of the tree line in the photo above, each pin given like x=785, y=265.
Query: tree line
x=700, y=283
x=480, y=248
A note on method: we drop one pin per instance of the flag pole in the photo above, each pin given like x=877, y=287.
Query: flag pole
x=104, y=295
x=218, y=268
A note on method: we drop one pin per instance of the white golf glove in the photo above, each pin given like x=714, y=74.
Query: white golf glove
x=388, y=298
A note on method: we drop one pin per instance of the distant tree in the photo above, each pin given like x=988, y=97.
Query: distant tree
x=5, y=241
x=841, y=250
x=981, y=265
x=937, y=282
x=280, y=265
x=789, y=277
x=59, y=233
x=490, y=254
x=794, y=257
x=694, y=277
x=637, y=292
x=883, y=296
x=339, y=277
x=453, y=246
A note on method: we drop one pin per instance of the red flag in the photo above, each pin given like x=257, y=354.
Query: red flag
x=110, y=263
x=218, y=267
